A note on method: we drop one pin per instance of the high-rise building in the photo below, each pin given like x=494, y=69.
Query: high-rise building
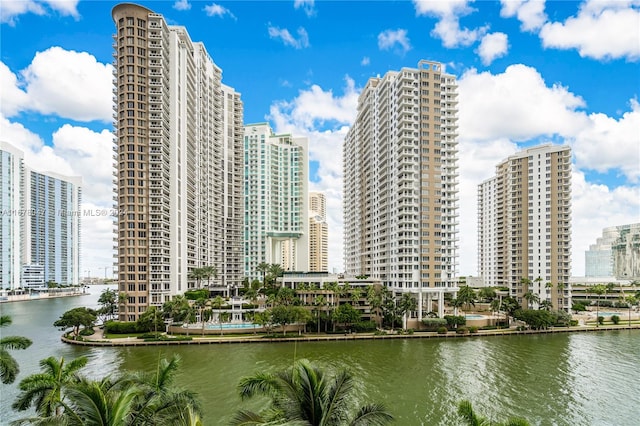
x=276, y=225
x=615, y=254
x=318, y=233
x=524, y=225
x=178, y=152
x=11, y=169
x=40, y=223
x=54, y=228
x=401, y=184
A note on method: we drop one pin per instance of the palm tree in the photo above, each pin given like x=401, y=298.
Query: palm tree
x=319, y=301
x=123, y=298
x=263, y=267
x=45, y=390
x=531, y=298
x=8, y=365
x=456, y=303
x=208, y=272
x=374, y=298
x=469, y=416
x=197, y=274
x=599, y=290
x=158, y=400
x=467, y=296
x=217, y=303
x=304, y=394
x=406, y=305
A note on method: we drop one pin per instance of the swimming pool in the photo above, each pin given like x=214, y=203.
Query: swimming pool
x=474, y=316
x=232, y=326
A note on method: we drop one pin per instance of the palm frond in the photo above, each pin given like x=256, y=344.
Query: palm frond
x=15, y=342
x=258, y=384
x=247, y=418
x=372, y=415
x=8, y=367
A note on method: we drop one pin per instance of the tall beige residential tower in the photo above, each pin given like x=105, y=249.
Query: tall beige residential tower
x=400, y=184
x=178, y=153
x=318, y=233
x=524, y=225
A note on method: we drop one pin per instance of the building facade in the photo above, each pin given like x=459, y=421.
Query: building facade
x=40, y=224
x=11, y=169
x=178, y=152
x=318, y=233
x=401, y=184
x=52, y=232
x=276, y=174
x=615, y=254
x=524, y=225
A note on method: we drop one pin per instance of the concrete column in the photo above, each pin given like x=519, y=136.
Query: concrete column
x=441, y=304
x=420, y=305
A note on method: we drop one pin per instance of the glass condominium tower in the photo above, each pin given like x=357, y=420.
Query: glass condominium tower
x=400, y=184
x=276, y=225
x=178, y=153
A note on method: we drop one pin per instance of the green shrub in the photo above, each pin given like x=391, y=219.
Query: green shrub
x=462, y=330
x=573, y=323
x=615, y=319
x=120, y=327
x=249, y=306
x=488, y=327
x=150, y=336
x=434, y=323
x=87, y=331
x=380, y=333
x=473, y=329
x=442, y=330
x=600, y=320
x=202, y=293
x=455, y=320
x=410, y=331
x=364, y=326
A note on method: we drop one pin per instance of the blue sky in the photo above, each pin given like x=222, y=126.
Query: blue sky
x=529, y=71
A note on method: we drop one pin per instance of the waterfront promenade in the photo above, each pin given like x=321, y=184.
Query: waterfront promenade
x=98, y=339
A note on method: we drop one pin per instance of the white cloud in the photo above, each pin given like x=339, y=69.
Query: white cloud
x=365, y=61
x=448, y=27
x=13, y=97
x=216, y=10
x=492, y=46
x=283, y=34
x=182, y=5
x=64, y=83
x=324, y=118
x=388, y=39
x=516, y=104
x=608, y=144
x=601, y=30
x=307, y=5
x=442, y=8
x=529, y=12
x=11, y=9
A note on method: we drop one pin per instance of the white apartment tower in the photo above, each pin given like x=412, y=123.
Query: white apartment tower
x=276, y=225
x=318, y=233
x=178, y=152
x=524, y=225
x=40, y=223
x=400, y=184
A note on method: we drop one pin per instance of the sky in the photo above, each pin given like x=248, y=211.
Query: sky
x=529, y=72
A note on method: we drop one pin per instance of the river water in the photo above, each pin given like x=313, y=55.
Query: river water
x=563, y=379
